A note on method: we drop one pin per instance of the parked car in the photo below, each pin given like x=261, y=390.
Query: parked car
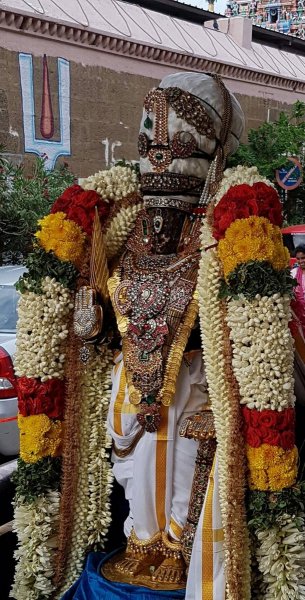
x=293, y=236
x=9, y=437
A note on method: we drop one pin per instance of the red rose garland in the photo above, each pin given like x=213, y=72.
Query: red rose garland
x=79, y=206
x=35, y=397
x=269, y=427
x=243, y=201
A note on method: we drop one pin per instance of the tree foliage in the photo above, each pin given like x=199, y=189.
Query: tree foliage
x=23, y=200
x=267, y=148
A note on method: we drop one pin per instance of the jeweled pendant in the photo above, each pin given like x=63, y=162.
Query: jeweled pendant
x=158, y=222
x=148, y=124
x=149, y=416
x=84, y=354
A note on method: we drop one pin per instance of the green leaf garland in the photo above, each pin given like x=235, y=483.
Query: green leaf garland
x=42, y=264
x=257, y=277
x=34, y=480
x=265, y=509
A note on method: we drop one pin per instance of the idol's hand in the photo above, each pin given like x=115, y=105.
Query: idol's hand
x=88, y=315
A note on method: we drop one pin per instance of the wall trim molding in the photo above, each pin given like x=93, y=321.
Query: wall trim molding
x=32, y=26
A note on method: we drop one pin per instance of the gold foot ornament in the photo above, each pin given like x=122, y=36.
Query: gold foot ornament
x=141, y=563
x=173, y=568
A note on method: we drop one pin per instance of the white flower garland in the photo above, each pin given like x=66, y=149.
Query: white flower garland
x=36, y=525
x=212, y=342
x=211, y=325
x=238, y=176
x=120, y=228
x=42, y=329
x=262, y=351
x=92, y=511
x=281, y=560
x=113, y=184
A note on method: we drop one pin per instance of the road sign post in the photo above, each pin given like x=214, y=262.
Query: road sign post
x=290, y=176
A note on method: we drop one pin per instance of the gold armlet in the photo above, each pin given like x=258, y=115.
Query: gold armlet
x=199, y=426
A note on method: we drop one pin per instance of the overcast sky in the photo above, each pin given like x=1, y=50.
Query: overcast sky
x=220, y=5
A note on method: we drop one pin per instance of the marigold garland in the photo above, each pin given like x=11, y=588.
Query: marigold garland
x=271, y=468
x=252, y=239
x=262, y=351
x=41, y=362
x=39, y=437
x=62, y=236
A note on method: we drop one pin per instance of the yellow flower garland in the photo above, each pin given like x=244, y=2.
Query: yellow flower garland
x=271, y=468
x=39, y=437
x=64, y=237
x=249, y=239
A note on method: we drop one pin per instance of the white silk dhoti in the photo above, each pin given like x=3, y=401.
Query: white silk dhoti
x=206, y=578
x=157, y=476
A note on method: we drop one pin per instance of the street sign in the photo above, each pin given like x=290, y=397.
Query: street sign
x=290, y=176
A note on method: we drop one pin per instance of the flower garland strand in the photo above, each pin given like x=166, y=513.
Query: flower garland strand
x=213, y=342
x=91, y=515
x=113, y=184
x=238, y=567
x=42, y=331
x=36, y=526
x=70, y=459
x=48, y=368
x=245, y=221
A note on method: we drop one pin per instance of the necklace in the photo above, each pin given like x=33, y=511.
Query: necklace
x=152, y=295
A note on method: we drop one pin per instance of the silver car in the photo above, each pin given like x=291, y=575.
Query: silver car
x=9, y=437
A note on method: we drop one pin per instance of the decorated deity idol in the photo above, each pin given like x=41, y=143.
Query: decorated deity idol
x=187, y=122
x=180, y=277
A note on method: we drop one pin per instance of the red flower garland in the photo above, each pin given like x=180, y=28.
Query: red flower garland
x=276, y=428
x=35, y=397
x=269, y=204
x=238, y=203
x=79, y=206
x=243, y=201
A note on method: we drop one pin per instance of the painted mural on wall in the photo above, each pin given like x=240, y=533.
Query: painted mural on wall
x=44, y=143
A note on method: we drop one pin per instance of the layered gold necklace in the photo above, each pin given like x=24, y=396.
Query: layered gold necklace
x=156, y=307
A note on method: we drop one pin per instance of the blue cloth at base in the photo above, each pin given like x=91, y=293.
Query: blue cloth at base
x=92, y=586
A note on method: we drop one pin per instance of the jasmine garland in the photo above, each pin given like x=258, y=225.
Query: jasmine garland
x=42, y=329
x=36, y=526
x=262, y=351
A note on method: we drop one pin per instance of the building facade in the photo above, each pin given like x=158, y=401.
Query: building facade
x=285, y=16
x=72, y=80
